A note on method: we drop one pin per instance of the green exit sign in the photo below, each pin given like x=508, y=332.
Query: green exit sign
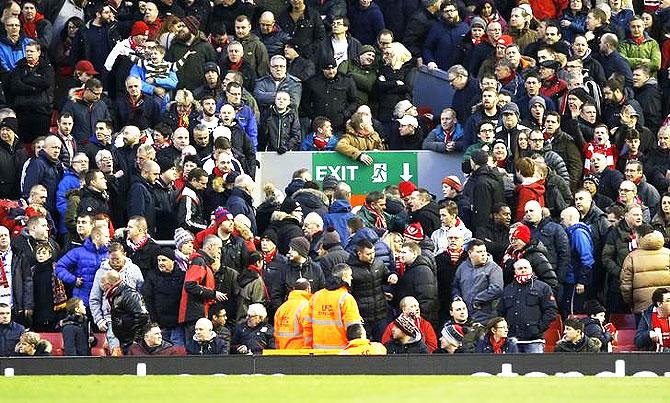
x=388, y=168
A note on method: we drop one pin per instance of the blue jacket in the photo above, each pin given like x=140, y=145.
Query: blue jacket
x=142, y=201
x=338, y=214
x=365, y=24
x=581, y=263
x=615, y=63
x=642, y=339
x=246, y=118
x=70, y=181
x=239, y=202
x=577, y=25
x=442, y=44
x=9, y=336
x=308, y=143
x=435, y=139
x=10, y=53
x=622, y=18
x=484, y=345
x=82, y=262
x=382, y=250
x=44, y=171
x=528, y=308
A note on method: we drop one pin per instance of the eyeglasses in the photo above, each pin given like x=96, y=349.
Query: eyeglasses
x=536, y=140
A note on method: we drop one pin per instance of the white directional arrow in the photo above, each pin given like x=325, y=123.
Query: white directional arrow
x=405, y=172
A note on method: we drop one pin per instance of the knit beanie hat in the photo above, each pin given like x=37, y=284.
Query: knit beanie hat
x=271, y=236
x=593, y=307
x=453, y=334
x=453, y=182
x=222, y=214
x=300, y=244
x=167, y=252
x=406, y=326
x=406, y=188
x=478, y=21
x=12, y=123
x=181, y=236
x=366, y=49
x=329, y=182
x=414, y=232
x=289, y=205
x=537, y=100
x=192, y=24
x=592, y=178
x=521, y=232
x=331, y=238
x=139, y=28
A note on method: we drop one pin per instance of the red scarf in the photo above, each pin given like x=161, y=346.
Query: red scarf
x=638, y=41
x=319, y=143
x=380, y=221
x=497, y=345
x=217, y=172
x=512, y=254
x=183, y=119
x=3, y=275
x=236, y=66
x=30, y=27
x=454, y=254
x=400, y=265
x=523, y=278
x=269, y=257
x=110, y=292
x=139, y=245
x=502, y=163
x=658, y=322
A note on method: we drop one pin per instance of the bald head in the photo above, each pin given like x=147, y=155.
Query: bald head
x=569, y=217
x=533, y=212
x=151, y=171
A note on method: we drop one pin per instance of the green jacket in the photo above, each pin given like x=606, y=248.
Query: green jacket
x=634, y=53
x=256, y=54
x=476, y=147
x=364, y=77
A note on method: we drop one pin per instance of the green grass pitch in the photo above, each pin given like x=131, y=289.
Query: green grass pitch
x=314, y=389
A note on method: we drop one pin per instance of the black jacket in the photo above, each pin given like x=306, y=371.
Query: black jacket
x=486, y=190
x=536, y=253
x=429, y=218
x=12, y=158
x=417, y=347
x=336, y=254
x=306, y=33
x=45, y=171
x=445, y=278
x=336, y=99
x=309, y=270
x=649, y=97
x=144, y=257
x=214, y=346
x=367, y=287
x=162, y=293
x=555, y=240
x=528, y=308
x=9, y=336
x=417, y=30
x=388, y=92
x=496, y=238
x=279, y=131
x=142, y=202
x=243, y=149
x=76, y=331
x=31, y=88
x=272, y=276
x=146, y=114
x=129, y=315
x=93, y=202
x=419, y=282
x=255, y=338
x=287, y=229
x=593, y=328
x=234, y=253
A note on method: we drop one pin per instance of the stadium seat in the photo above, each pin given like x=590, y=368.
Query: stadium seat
x=56, y=340
x=578, y=316
x=623, y=320
x=553, y=334
x=101, y=348
x=625, y=341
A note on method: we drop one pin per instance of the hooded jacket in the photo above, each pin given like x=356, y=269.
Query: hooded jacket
x=526, y=192
x=644, y=270
x=367, y=287
x=382, y=250
x=199, y=291
x=214, y=346
x=580, y=268
x=162, y=295
x=338, y=214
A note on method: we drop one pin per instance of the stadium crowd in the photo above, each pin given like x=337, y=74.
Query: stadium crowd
x=124, y=123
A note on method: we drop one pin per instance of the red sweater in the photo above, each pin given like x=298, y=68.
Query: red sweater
x=427, y=334
x=532, y=191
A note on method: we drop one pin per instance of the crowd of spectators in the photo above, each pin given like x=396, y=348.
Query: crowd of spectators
x=127, y=123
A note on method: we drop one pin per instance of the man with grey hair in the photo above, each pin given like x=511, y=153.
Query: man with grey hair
x=278, y=80
x=136, y=108
x=240, y=200
x=199, y=291
x=141, y=198
x=72, y=179
x=312, y=228
x=46, y=170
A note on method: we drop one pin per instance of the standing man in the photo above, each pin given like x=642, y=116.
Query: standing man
x=188, y=40
x=578, y=280
x=418, y=281
x=45, y=170
x=485, y=189
x=141, y=197
x=254, y=50
x=339, y=45
x=289, y=320
x=529, y=307
x=16, y=292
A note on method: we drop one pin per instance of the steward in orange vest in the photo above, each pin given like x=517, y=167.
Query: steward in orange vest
x=291, y=316
x=359, y=343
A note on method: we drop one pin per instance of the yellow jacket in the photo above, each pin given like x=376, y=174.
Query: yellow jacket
x=329, y=313
x=290, y=319
x=364, y=347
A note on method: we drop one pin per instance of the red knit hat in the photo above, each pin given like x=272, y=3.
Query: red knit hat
x=139, y=28
x=414, y=232
x=406, y=188
x=521, y=232
x=505, y=40
x=453, y=182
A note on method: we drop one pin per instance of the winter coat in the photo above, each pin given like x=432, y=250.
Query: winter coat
x=46, y=172
x=484, y=346
x=648, y=49
x=142, y=202
x=190, y=75
x=564, y=145
x=536, y=253
x=556, y=162
x=130, y=275
x=446, y=271
x=616, y=63
x=429, y=218
x=279, y=131
x=256, y=338
x=577, y=24
x=528, y=308
x=336, y=254
x=598, y=226
x=463, y=101
x=334, y=98
x=649, y=196
x=172, y=118
x=10, y=53
x=580, y=268
x=367, y=287
x=266, y=89
x=353, y=144
x=554, y=238
x=76, y=331
x=366, y=23
x=287, y=228
x=338, y=214
x=255, y=53
x=615, y=250
x=594, y=329
x=382, y=250
x=214, y=346
x=486, y=191
x=660, y=224
x=496, y=238
x=442, y=43
x=309, y=270
x=274, y=41
x=31, y=89
x=311, y=201
x=419, y=282
x=272, y=276
x=251, y=291
x=364, y=77
x=307, y=32
x=85, y=115
x=190, y=212
x=434, y=141
x=418, y=27
x=141, y=348
x=9, y=336
x=610, y=180
x=480, y=286
x=644, y=270
x=70, y=181
x=527, y=192
x=240, y=202
x=93, y=202
x=162, y=295
x=644, y=326
x=585, y=345
x=198, y=292
x=12, y=158
x=395, y=347
x=388, y=92
x=144, y=257
x=146, y=114
x=301, y=68
x=129, y=316
x=243, y=149
x=81, y=262
x=166, y=196
x=325, y=51
x=650, y=98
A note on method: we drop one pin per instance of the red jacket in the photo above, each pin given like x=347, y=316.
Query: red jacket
x=526, y=193
x=199, y=291
x=427, y=334
x=548, y=9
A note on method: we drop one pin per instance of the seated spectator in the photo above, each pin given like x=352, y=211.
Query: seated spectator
x=653, y=331
x=495, y=340
x=595, y=326
x=31, y=345
x=451, y=340
x=10, y=331
x=359, y=137
x=359, y=344
x=406, y=338
x=152, y=343
x=575, y=341
x=205, y=341
x=254, y=334
x=76, y=329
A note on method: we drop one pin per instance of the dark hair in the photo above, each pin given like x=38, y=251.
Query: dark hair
x=374, y=196
x=116, y=247
x=93, y=83
x=364, y=244
x=497, y=208
x=355, y=331
x=164, y=129
x=90, y=176
x=254, y=257
x=643, y=230
x=196, y=173
x=450, y=205
x=656, y=296
x=355, y=223
x=147, y=327
x=475, y=242
x=575, y=324
x=492, y=324
x=318, y=122
x=617, y=210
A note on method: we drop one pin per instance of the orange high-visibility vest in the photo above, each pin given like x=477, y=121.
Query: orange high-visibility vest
x=329, y=313
x=364, y=347
x=289, y=320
